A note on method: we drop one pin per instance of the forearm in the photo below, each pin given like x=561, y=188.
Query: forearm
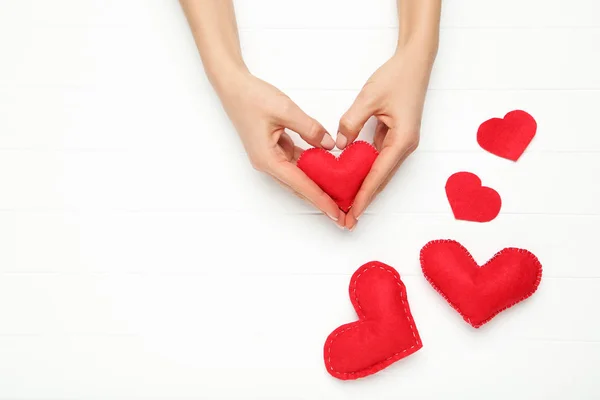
x=420, y=24
x=215, y=32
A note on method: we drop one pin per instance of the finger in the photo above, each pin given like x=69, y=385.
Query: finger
x=384, y=164
x=289, y=189
x=380, y=131
x=296, y=179
x=309, y=129
x=340, y=223
x=409, y=148
x=352, y=218
x=354, y=119
x=351, y=222
x=297, y=153
x=287, y=146
x=387, y=180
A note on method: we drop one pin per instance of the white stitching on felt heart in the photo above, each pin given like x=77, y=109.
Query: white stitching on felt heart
x=362, y=316
x=470, y=256
x=337, y=158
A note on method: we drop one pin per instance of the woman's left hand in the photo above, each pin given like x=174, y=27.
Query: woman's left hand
x=395, y=95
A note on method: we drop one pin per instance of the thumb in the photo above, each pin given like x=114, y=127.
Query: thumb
x=308, y=128
x=354, y=119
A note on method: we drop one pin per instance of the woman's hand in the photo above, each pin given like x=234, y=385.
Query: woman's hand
x=395, y=95
x=261, y=113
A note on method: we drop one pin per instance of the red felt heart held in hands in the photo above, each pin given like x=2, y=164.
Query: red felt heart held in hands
x=470, y=201
x=480, y=293
x=385, y=331
x=340, y=177
x=507, y=137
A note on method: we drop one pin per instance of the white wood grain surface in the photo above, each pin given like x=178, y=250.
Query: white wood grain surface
x=142, y=257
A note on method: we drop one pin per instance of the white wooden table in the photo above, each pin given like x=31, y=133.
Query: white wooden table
x=142, y=257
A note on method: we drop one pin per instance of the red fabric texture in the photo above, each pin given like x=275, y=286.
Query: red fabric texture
x=340, y=177
x=480, y=293
x=385, y=331
x=507, y=137
x=469, y=200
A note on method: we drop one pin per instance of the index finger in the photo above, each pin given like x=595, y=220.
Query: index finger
x=293, y=177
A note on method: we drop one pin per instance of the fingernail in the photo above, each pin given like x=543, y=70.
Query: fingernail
x=341, y=227
x=352, y=229
x=358, y=215
x=341, y=141
x=327, y=142
x=332, y=217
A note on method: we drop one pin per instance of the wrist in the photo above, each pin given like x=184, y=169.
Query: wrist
x=226, y=75
x=419, y=26
x=422, y=45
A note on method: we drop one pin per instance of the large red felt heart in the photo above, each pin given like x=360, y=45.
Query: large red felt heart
x=469, y=200
x=340, y=177
x=507, y=137
x=385, y=331
x=480, y=293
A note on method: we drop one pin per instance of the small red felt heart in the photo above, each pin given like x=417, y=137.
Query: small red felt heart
x=480, y=293
x=507, y=137
x=385, y=331
x=469, y=200
x=340, y=177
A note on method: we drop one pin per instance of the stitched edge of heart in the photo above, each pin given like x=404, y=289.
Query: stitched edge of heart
x=437, y=289
x=378, y=366
x=337, y=158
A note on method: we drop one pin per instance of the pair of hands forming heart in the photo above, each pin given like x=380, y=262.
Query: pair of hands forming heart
x=394, y=94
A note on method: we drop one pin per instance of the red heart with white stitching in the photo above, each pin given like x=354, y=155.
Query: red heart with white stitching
x=507, y=137
x=339, y=177
x=385, y=331
x=480, y=293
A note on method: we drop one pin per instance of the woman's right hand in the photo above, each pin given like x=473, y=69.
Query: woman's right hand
x=260, y=114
